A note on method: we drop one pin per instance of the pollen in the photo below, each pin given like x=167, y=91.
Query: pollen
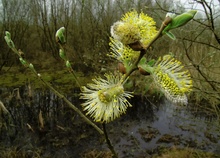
x=134, y=27
x=172, y=79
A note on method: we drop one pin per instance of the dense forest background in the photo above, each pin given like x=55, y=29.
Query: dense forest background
x=33, y=25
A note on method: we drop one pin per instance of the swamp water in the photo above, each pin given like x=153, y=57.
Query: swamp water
x=143, y=131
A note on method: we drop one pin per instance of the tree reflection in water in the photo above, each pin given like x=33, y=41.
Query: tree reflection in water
x=39, y=122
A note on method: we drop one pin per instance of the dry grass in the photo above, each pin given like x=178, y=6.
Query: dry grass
x=15, y=152
x=186, y=153
x=97, y=154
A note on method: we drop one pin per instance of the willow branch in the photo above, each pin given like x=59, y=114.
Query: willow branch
x=61, y=96
x=110, y=146
x=71, y=69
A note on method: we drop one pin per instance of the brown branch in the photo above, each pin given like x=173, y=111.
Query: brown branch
x=212, y=81
x=208, y=92
x=199, y=42
x=209, y=16
x=197, y=67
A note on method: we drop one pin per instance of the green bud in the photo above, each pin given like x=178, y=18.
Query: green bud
x=60, y=38
x=169, y=34
x=31, y=66
x=8, y=34
x=23, y=61
x=62, y=54
x=180, y=20
x=145, y=67
x=9, y=42
x=151, y=62
x=142, y=61
x=68, y=65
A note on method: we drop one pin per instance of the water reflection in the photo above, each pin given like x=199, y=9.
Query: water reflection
x=145, y=127
x=170, y=125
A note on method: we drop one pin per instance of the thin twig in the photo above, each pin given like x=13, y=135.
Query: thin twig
x=110, y=146
x=71, y=69
x=60, y=95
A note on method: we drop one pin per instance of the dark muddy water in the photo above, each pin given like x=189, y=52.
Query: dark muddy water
x=145, y=128
x=166, y=126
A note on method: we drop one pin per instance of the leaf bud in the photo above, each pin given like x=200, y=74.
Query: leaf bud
x=68, y=65
x=121, y=68
x=143, y=72
x=31, y=66
x=60, y=38
x=23, y=62
x=8, y=34
x=62, y=54
x=8, y=40
x=179, y=20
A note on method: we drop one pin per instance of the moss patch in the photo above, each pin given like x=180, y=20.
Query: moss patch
x=61, y=79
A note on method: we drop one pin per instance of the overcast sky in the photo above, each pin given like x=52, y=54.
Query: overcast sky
x=192, y=4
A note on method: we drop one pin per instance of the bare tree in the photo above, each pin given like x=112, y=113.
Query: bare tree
x=15, y=17
x=198, y=46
